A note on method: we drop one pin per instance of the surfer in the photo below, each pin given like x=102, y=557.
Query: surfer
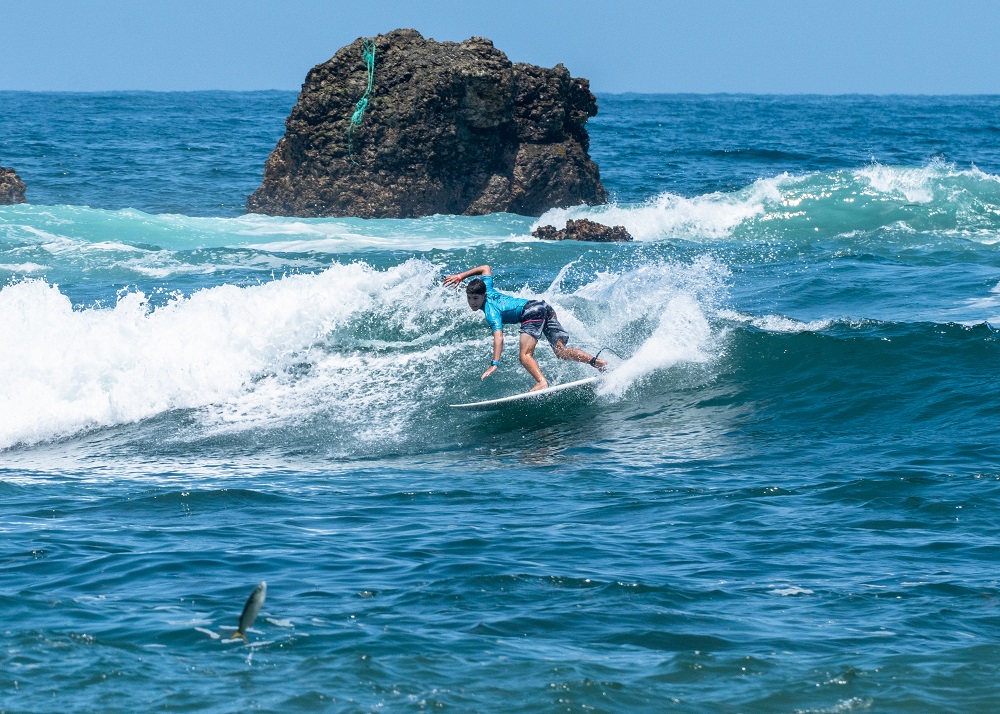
x=535, y=316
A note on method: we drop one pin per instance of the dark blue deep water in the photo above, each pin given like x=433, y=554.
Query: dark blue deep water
x=784, y=497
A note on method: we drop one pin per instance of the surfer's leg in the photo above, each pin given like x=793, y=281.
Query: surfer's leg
x=528, y=360
x=574, y=355
x=558, y=337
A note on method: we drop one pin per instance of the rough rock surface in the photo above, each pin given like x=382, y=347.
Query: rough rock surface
x=584, y=229
x=450, y=128
x=11, y=187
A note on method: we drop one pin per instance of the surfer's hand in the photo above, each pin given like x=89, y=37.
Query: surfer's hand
x=452, y=280
x=487, y=373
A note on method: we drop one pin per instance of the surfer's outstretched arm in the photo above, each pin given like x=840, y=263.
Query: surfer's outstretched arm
x=457, y=278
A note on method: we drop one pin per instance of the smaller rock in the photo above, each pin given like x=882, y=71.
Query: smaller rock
x=11, y=187
x=584, y=229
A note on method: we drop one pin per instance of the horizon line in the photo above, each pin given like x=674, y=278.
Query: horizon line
x=596, y=92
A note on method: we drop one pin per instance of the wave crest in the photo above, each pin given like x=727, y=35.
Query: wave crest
x=367, y=351
x=936, y=198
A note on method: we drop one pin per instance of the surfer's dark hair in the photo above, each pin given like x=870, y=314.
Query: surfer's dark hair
x=476, y=286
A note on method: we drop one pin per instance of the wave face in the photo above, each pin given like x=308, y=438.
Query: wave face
x=344, y=344
x=781, y=496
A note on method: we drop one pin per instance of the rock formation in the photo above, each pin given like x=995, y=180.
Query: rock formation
x=449, y=128
x=584, y=229
x=11, y=187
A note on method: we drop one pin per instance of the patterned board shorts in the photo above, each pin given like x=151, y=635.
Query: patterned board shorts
x=539, y=317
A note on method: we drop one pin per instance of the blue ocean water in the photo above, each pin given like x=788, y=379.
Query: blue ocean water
x=783, y=498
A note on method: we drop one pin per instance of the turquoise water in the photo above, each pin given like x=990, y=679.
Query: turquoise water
x=783, y=498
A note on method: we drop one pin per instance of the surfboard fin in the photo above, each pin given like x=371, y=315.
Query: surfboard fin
x=240, y=635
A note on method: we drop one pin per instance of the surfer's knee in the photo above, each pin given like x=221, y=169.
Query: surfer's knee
x=560, y=349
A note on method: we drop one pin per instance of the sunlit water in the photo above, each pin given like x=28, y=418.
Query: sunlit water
x=784, y=497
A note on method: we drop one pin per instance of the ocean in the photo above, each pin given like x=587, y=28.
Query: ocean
x=783, y=497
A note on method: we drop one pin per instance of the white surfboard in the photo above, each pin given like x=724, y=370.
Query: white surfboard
x=527, y=396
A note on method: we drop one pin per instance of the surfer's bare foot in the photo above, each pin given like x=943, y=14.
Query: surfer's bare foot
x=541, y=385
x=601, y=365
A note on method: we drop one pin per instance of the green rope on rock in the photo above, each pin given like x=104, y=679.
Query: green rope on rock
x=368, y=53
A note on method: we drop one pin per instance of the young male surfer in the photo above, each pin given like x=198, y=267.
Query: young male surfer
x=536, y=317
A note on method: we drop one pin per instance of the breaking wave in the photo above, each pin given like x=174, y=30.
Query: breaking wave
x=370, y=350
x=937, y=198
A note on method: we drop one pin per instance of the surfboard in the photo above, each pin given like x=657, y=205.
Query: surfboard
x=492, y=404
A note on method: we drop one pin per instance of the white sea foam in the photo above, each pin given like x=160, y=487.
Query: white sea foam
x=372, y=388
x=844, y=203
x=67, y=370
x=791, y=590
x=672, y=299
x=60, y=245
x=913, y=184
x=22, y=268
x=854, y=704
x=82, y=232
x=352, y=345
x=775, y=323
x=710, y=216
x=348, y=242
x=850, y=204
x=681, y=335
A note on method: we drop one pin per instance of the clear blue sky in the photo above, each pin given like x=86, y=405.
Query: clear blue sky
x=766, y=46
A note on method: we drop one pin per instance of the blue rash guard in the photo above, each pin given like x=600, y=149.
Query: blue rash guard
x=501, y=309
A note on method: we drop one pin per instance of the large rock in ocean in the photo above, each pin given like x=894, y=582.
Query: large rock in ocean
x=11, y=187
x=449, y=128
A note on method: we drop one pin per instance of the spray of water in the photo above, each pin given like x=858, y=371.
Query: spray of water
x=376, y=351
